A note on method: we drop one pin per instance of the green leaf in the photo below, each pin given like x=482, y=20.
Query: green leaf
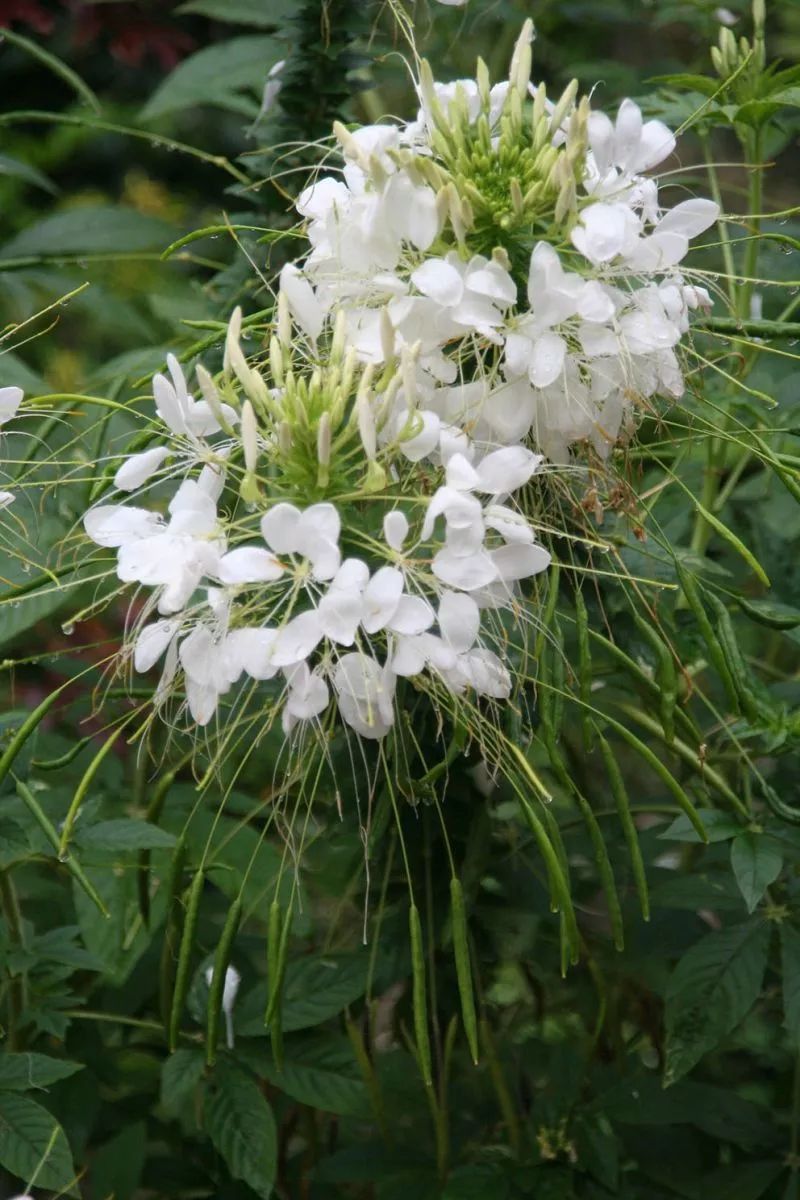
x=315, y=989
x=321, y=1072
x=756, y=861
x=719, y=827
x=22, y=170
x=790, y=96
x=23, y=1072
x=239, y=1122
x=711, y=990
x=771, y=613
x=790, y=961
x=242, y=12
x=32, y=1143
x=123, y=834
x=117, y=1165
x=89, y=230
x=180, y=1075
x=214, y=75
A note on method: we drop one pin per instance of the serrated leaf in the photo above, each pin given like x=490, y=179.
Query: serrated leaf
x=23, y=1072
x=790, y=962
x=89, y=230
x=239, y=1122
x=711, y=990
x=315, y=989
x=33, y=1143
x=124, y=834
x=719, y=827
x=180, y=1075
x=756, y=861
x=321, y=1072
x=214, y=75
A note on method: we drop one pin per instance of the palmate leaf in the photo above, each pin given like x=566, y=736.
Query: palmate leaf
x=711, y=990
x=239, y=1122
x=33, y=1144
x=242, y=12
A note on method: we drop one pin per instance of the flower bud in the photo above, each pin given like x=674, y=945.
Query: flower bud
x=520, y=71
x=284, y=326
x=229, y=990
x=563, y=106
x=284, y=437
x=212, y=398
x=249, y=437
x=387, y=335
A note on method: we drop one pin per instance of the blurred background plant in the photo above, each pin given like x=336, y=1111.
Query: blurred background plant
x=148, y=169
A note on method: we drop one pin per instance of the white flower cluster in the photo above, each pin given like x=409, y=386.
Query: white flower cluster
x=523, y=248
x=394, y=573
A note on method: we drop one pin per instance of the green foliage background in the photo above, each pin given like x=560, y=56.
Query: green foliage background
x=659, y=756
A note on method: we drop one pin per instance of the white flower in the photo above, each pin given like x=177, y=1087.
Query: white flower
x=307, y=695
x=365, y=694
x=175, y=556
x=10, y=400
x=229, y=989
x=137, y=469
x=312, y=535
x=464, y=562
x=179, y=411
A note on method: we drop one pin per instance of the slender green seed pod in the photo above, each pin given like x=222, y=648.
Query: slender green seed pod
x=605, y=870
x=559, y=848
x=153, y=815
x=666, y=677
x=558, y=660
x=692, y=594
x=182, y=974
x=217, y=986
x=549, y=609
x=55, y=764
x=734, y=658
x=48, y=829
x=558, y=882
x=26, y=729
x=171, y=926
x=84, y=785
x=666, y=777
x=620, y=795
x=463, y=969
x=584, y=670
x=277, y=955
x=420, y=996
x=274, y=924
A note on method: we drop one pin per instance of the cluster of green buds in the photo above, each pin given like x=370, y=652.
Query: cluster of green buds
x=497, y=175
x=313, y=427
x=731, y=57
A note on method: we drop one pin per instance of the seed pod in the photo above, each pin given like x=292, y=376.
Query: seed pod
x=734, y=660
x=194, y=896
x=666, y=677
x=463, y=969
x=628, y=827
x=584, y=670
x=420, y=1003
x=605, y=870
x=692, y=594
x=217, y=986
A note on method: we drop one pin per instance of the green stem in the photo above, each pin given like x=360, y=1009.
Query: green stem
x=755, y=184
x=16, y=986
